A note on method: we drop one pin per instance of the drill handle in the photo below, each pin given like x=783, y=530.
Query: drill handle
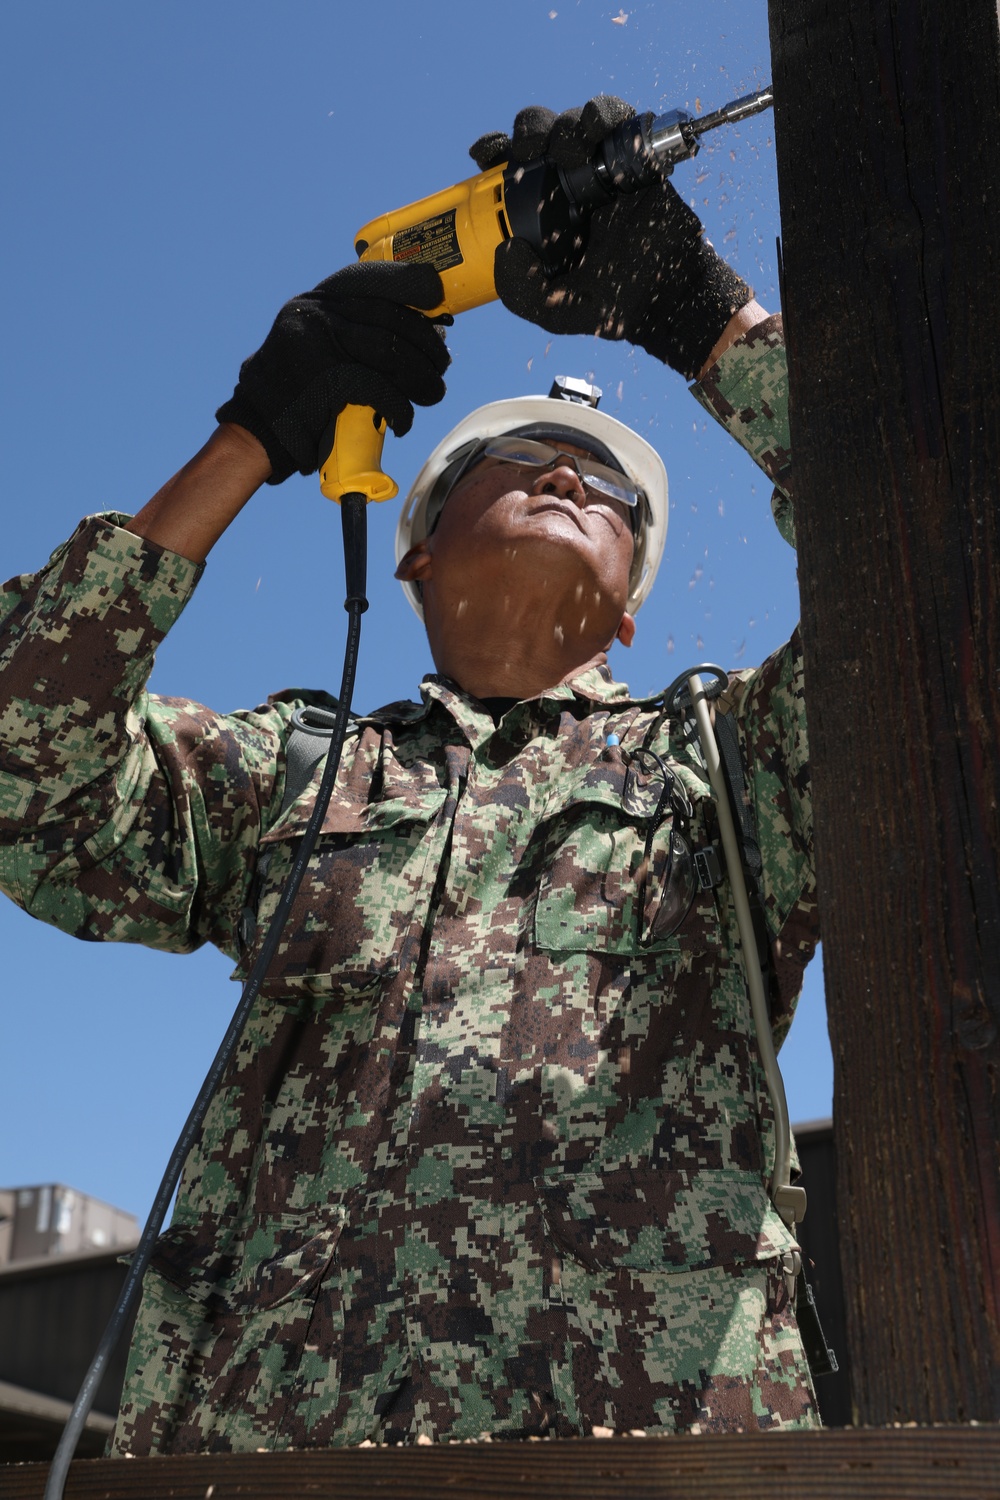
x=353, y=445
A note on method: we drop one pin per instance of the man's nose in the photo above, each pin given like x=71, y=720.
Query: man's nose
x=562, y=480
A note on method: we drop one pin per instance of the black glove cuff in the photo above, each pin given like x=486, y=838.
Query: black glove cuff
x=238, y=410
x=686, y=337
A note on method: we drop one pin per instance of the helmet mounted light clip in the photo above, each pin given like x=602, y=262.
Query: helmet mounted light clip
x=568, y=388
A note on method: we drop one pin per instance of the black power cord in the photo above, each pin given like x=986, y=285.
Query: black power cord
x=353, y=509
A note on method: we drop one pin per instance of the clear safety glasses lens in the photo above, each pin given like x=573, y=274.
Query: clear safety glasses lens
x=535, y=455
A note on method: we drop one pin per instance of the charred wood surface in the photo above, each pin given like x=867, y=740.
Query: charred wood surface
x=888, y=142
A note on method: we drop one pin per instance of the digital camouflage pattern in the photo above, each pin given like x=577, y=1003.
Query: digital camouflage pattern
x=747, y=391
x=491, y=1155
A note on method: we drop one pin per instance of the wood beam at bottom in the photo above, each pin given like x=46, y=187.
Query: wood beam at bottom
x=959, y=1463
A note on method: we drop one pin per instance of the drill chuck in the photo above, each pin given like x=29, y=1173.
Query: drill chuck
x=549, y=205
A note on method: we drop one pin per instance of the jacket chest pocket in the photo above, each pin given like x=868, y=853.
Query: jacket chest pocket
x=618, y=881
x=366, y=884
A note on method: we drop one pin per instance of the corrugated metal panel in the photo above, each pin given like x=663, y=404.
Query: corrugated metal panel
x=52, y=1314
x=31, y=1425
x=819, y=1235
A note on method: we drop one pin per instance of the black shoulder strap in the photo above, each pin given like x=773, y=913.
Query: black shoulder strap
x=728, y=739
x=308, y=742
x=306, y=745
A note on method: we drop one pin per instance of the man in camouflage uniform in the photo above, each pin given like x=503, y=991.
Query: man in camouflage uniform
x=492, y=1155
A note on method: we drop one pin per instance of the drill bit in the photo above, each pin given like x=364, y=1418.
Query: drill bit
x=729, y=114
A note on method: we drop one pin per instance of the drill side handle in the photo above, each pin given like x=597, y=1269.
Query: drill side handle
x=353, y=463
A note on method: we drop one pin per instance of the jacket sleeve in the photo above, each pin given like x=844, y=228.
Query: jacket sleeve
x=746, y=391
x=123, y=816
x=769, y=707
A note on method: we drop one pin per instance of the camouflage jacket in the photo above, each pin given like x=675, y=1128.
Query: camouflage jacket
x=481, y=1052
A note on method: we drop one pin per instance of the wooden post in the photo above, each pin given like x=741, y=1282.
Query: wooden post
x=888, y=142
x=845, y=1465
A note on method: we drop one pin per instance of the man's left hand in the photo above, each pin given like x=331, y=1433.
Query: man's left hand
x=647, y=273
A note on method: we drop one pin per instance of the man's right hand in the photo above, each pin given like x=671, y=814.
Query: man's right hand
x=356, y=339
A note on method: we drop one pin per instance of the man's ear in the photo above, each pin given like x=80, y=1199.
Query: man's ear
x=415, y=565
x=626, y=630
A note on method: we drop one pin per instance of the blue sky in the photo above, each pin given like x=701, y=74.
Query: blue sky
x=171, y=174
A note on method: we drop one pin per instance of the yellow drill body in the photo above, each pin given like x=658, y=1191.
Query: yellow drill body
x=456, y=231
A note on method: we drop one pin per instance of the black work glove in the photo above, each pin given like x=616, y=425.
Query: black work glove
x=647, y=272
x=354, y=340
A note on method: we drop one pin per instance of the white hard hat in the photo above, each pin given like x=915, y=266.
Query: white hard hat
x=573, y=418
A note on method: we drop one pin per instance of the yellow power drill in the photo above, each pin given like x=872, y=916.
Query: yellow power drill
x=458, y=230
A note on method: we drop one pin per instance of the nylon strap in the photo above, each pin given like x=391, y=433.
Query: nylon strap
x=727, y=736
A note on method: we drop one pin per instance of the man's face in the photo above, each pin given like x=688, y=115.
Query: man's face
x=535, y=533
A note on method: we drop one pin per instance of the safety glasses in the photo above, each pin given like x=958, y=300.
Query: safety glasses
x=532, y=454
x=540, y=447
